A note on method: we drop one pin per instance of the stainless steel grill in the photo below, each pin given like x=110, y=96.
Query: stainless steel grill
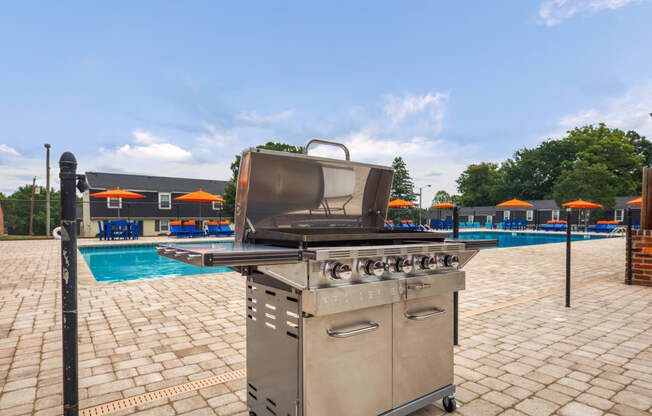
x=343, y=316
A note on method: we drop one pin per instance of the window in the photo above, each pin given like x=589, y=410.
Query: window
x=555, y=215
x=469, y=218
x=217, y=205
x=114, y=203
x=490, y=218
x=619, y=214
x=506, y=215
x=164, y=225
x=529, y=215
x=164, y=200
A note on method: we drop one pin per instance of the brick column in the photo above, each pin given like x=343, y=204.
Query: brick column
x=642, y=257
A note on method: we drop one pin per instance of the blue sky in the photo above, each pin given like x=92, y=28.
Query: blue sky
x=178, y=89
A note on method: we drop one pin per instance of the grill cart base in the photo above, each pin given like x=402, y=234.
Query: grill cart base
x=354, y=362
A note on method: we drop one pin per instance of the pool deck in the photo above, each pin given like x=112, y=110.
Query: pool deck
x=521, y=352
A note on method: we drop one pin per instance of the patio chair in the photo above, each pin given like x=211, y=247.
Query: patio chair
x=103, y=231
x=477, y=224
x=135, y=230
x=488, y=225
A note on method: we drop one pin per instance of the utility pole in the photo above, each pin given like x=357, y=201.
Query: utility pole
x=420, y=198
x=31, y=209
x=47, y=189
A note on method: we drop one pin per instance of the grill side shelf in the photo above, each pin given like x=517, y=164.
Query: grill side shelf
x=245, y=255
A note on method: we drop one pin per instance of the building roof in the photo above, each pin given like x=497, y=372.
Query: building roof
x=621, y=202
x=147, y=183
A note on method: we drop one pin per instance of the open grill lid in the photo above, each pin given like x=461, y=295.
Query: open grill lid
x=283, y=191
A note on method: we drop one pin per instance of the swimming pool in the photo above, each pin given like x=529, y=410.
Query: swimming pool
x=516, y=239
x=119, y=264
x=134, y=262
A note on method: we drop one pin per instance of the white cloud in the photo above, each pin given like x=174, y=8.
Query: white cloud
x=215, y=136
x=147, y=146
x=630, y=111
x=253, y=118
x=432, y=106
x=553, y=12
x=409, y=126
x=8, y=150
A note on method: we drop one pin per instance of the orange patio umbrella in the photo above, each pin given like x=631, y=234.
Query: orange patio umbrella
x=201, y=196
x=637, y=201
x=581, y=204
x=117, y=193
x=514, y=203
x=443, y=205
x=400, y=203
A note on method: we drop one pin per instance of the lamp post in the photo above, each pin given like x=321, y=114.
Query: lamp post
x=420, y=197
x=47, y=189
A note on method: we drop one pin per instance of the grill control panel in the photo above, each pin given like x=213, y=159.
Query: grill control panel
x=386, y=267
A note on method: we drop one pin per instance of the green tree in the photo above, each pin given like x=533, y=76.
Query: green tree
x=533, y=173
x=582, y=180
x=402, y=184
x=440, y=197
x=230, y=189
x=16, y=209
x=479, y=185
x=642, y=147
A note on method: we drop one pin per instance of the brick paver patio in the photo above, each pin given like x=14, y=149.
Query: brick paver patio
x=521, y=352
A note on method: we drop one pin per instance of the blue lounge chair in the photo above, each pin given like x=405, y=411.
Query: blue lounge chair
x=488, y=225
x=225, y=229
x=176, y=230
x=192, y=231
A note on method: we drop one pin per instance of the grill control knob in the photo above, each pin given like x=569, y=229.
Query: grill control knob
x=372, y=268
x=404, y=265
x=428, y=263
x=452, y=261
x=340, y=271
x=441, y=260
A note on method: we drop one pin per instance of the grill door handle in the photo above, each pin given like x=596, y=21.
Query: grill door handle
x=371, y=326
x=436, y=312
x=340, y=145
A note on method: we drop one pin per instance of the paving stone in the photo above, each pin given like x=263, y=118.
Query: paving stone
x=537, y=407
x=190, y=328
x=479, y=407
x=579, y=409
x=631, y=399
x=17, y=397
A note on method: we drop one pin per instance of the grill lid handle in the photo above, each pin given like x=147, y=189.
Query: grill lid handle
x=326, y=142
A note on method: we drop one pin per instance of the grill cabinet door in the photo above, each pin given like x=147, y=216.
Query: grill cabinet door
x=349, y=371
x=423, y=346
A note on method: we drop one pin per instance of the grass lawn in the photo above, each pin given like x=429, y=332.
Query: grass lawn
x=24, y=237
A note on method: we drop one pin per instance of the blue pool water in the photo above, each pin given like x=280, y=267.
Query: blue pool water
x=118, y=264
x=516, y=239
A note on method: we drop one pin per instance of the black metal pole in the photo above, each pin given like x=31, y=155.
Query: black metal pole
x=68, y=177
x=456, y=234
x=568, y=258
x=629, y=246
